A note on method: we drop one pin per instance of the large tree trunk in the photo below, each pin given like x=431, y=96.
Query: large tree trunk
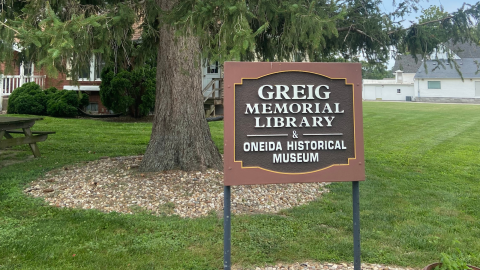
x=180, y=134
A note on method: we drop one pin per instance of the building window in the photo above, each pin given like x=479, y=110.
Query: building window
x=84, y=73
x=212, y=69
x=93, y=70
x=27, y=69
x=99, y=65
x=92, y=107
x=434, y=85
x=399, y=91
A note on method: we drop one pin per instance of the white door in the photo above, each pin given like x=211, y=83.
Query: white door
x=477, y=89
x=210, y=72
x=369, y=92
x=378, y=92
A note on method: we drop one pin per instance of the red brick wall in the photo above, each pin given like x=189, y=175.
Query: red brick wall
x=16, y=69
x=61, y=81
x=94, y=97
x=58, y=82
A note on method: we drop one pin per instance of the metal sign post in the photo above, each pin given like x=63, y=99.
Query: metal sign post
x=356, y=225
x=227, y=236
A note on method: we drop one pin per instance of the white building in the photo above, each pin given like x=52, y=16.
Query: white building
x=457, y=81
x=440, y=81
x=400, y=88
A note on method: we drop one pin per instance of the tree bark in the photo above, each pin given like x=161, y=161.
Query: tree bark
x=180, y=134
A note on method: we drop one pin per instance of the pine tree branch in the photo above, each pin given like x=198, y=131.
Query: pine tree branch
x=421, y=24
x=16, y=32
x=352, y=28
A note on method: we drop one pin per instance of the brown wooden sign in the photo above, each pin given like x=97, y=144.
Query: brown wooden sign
x=293, y=122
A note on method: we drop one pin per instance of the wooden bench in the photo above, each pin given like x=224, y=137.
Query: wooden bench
x=18, y=125
x=33, y=132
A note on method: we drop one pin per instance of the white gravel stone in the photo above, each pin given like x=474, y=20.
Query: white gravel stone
x=114, y=184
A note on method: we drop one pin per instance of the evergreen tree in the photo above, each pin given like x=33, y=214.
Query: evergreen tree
x=131, y=91
x=61, y=35
x=375, y=71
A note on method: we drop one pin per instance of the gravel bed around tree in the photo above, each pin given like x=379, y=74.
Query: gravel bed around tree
x=114, y=184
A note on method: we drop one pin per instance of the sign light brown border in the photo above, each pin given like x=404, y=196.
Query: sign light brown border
x=236, y=174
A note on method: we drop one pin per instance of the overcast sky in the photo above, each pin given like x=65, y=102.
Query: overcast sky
x=448, y=5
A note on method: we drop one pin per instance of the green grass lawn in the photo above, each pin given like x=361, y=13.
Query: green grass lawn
x=421, y=198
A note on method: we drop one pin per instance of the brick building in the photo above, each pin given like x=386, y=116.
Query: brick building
x=21, y=73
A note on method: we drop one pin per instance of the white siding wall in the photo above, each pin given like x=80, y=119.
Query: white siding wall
x=369, y=92
x=387, y=92
x=408, y=77
x=449, y=88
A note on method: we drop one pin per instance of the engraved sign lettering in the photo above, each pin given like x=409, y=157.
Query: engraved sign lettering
x=293, y=122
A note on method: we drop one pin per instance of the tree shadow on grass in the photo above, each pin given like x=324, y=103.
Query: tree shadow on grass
x=13, y=156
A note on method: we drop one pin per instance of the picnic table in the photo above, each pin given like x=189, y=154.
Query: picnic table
x=21, y=125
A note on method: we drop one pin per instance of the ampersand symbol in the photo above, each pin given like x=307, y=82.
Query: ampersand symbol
x=295, y=135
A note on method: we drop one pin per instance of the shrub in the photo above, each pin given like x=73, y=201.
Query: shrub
x=65, y=103
x=28, y=99
x=129, y=91
x=51, y=90
x=84, y=100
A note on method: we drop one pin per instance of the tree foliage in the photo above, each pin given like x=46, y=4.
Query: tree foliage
x=58, y=32
x=434, y=32
x=61, y=35
x=313, y=30
x=375, y=71
x=132, y=91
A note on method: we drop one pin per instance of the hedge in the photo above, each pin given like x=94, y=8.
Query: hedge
x=31, y=99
